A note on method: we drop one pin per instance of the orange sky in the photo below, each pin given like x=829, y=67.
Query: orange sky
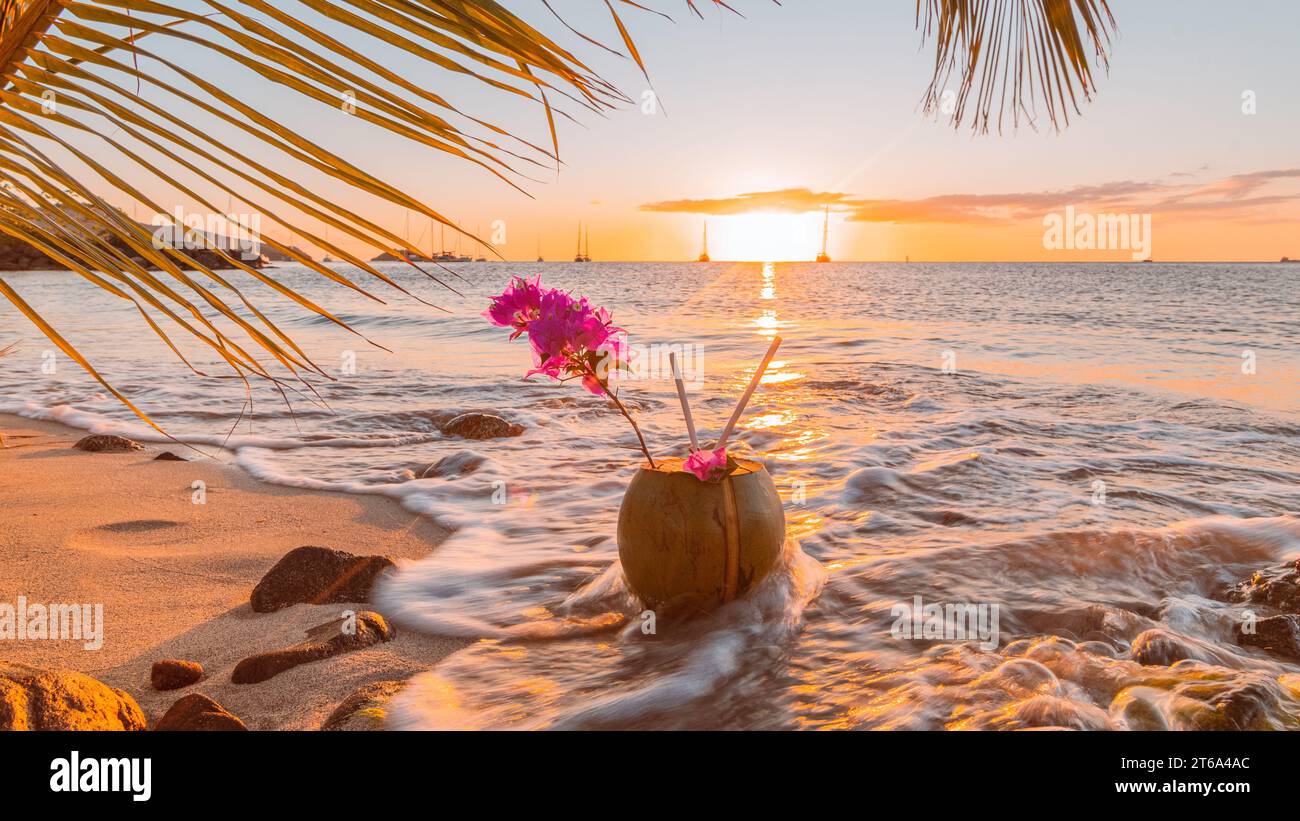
x=765, y=119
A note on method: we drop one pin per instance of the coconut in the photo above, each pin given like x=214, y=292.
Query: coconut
x=683, y=541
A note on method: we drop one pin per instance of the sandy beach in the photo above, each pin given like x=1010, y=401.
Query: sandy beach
x=174, y=577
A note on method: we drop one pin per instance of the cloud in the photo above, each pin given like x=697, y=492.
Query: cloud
x=982, y=208
x=786, y=200
x=1236, y=196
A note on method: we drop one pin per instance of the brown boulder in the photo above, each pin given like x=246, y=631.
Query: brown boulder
x=1158, y=647
x=460, y=463
x=1276, y=634
x=173, y=674
x=364, y=709
x=107, y=444
x=35, y=699
x=317, y=575
x=198, y=712
x=480, y=426
x=1278, y=588
x=168, y=456
x=339, y=636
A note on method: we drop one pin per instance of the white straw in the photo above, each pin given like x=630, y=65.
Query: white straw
x=681, y=394
x=749, y=391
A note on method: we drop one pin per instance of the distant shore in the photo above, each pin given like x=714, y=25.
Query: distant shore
x=174, y=577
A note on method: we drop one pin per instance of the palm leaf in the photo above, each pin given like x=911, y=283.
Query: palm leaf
x=96, y=58
x=1014, y=55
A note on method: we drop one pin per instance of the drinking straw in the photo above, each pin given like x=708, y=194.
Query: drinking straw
x=681, y=394
x=749, y=391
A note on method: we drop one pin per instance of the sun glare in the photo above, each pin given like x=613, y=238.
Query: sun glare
x=765, y=237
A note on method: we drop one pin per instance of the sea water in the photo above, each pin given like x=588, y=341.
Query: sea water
x=1083, y=452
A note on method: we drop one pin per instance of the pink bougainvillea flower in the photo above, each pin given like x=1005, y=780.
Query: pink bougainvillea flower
x=518, y=305
x=569, y=338
x=707, y=465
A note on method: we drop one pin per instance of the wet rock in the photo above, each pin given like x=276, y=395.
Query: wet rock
x=480, y=426
x=344, y=635
x=1023, y=677
x=1160, y=648
x=173, y=674
x=1236, y=706
x=364, y=709
x=1276, y=634
x=168, y=456
x=1051, y=711
x=198, y=712
x=1097, y=648
x=1138, y=708
x=317, y=575
x=36, y=699
x=1278, y=588
x=460, y=463
x=107, y=444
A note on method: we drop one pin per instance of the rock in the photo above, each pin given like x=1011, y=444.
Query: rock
x=1279, y=588
x=317, y=575
x=1160, y=648
x=364, y=709
x=172, y=674
x=480, y=426
x=1276, y=634
x=168, y=456
x=1138, y=708
x=460, y=463
x=198, y=712
x=108, y=444
x=36, y=699
x=1241, y=705
x=366, y=629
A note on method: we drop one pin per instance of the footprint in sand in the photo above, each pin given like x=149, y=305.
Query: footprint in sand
x=138, y=525
x=138, y=538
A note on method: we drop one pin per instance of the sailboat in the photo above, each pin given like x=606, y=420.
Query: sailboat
x=578, y=256
x=704, y=254
x=478, y=231
x=586, y=255
x=826, y=224
x=456, y=256
x=444, y=255
x=327, y=258
x=539, y=250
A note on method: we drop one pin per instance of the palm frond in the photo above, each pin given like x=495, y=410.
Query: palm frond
x=142, y=82
x=106, y=73
x=1014, y=55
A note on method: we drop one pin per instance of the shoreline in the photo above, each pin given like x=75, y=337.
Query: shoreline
x=174, y=577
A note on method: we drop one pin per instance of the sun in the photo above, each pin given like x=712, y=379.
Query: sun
x=765, y=237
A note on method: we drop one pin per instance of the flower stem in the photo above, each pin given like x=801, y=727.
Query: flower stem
x=626, y=416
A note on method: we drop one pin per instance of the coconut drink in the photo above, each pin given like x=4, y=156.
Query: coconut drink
x=683, y=541
x=696, y=531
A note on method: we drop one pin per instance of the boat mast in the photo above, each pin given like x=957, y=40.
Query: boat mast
x=826, y=226
x=826, y=222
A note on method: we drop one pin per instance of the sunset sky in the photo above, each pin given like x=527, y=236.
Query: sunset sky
x=765, y=119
